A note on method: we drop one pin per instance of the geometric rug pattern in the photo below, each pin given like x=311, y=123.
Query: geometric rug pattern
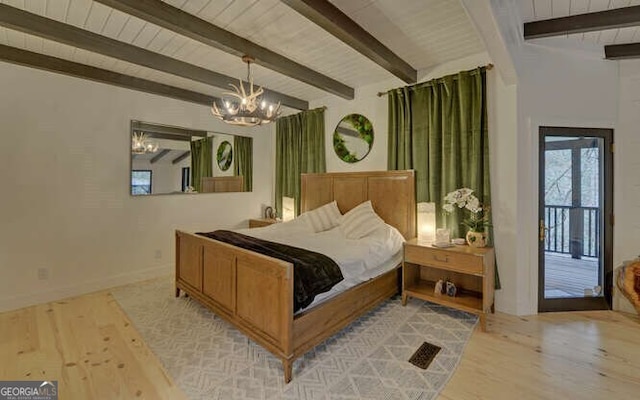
x=209, y=359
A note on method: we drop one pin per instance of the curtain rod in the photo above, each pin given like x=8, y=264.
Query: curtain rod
x=380, y=94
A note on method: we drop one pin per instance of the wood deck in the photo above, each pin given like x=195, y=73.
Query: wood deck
x=569, y=277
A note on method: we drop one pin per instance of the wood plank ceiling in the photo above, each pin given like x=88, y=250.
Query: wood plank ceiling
x=542, y=10
x=422, y=33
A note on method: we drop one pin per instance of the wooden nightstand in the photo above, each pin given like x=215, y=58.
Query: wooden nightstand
x=470, y=269
x=260, y=222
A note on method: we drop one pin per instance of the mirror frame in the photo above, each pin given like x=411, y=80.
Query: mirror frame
x=219, y=152
x=338, y=142
x=167, y=132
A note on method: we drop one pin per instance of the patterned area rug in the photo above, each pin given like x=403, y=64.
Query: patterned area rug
x=209, y=359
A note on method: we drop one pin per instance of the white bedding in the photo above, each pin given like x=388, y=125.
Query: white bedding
x=352, y=281
x=359, y=259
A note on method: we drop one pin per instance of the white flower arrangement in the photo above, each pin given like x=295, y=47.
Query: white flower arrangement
x=463, y=198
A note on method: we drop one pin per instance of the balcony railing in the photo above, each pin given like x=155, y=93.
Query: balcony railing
x=572, y=230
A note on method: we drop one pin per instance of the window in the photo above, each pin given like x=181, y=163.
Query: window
x=141, y=181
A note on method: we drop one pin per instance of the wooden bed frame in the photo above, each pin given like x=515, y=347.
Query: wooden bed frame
x=219, y=184
x=254, y=292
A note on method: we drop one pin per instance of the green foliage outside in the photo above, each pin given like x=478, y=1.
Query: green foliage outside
x=341, y=149
x=362, y=125
x=365, y=131
x=224, y=160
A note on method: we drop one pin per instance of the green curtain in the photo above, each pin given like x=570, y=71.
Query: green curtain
x=439, y=129
x=299, y=149
x=201, y=161
x=243, y=161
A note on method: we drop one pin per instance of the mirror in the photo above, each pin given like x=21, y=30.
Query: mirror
x=353, y=138
x=162, y=160
x=224, y=155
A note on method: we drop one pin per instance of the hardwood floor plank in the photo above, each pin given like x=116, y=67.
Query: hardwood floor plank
x=581, y=355
x=88, y=344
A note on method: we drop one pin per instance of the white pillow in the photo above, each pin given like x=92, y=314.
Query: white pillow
x=360, y=221
x=299, y=223
x=323, y=218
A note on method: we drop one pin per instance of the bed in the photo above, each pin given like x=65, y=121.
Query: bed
x=254, y=292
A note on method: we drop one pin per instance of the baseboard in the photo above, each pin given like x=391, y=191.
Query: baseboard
x=16, y=302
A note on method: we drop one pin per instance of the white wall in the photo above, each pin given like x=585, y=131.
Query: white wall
x=367, y=103
x=556, y=87
x=627, y=178
x=64, y=163
x=503, y=145
x=502, y=115
x=375, y=108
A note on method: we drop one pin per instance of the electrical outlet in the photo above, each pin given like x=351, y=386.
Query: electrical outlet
x=158, y=254
x=43, y=273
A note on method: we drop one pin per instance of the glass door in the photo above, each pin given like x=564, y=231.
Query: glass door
x=575, y=216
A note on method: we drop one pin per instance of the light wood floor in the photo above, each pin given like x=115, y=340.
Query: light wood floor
x=579, y=355
x=90, y=347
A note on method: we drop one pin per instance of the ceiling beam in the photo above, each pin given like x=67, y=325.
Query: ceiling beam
x=33, y=24
x=162, y=14
x=167, y=136
x=348, y=132
x=173, y=131
x=596, y=21
x=337, y=23
x=158, y=156
x=622, y=51
x=181, y=157
x=58, y=65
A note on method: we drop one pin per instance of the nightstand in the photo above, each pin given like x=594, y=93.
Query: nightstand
x=260, y=222
x=471, y=269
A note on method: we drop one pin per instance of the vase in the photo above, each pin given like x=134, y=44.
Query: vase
x=477, y=239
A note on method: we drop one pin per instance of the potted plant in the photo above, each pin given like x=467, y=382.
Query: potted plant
x=477, y=219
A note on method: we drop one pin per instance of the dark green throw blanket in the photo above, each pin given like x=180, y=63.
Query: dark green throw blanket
x=313, y=273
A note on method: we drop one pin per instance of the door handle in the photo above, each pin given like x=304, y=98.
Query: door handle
x=543, y=229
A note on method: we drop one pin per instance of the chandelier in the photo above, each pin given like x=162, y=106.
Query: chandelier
x=140, y=144
x=245, y=109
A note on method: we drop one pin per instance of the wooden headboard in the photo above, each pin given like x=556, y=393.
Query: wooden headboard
x=392, y=194
x=221, y=184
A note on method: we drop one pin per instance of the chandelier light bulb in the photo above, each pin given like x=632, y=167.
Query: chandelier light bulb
x=140, y=144
x=245, y=106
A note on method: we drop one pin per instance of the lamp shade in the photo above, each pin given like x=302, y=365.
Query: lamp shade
x=288, y=208
x=426, y=221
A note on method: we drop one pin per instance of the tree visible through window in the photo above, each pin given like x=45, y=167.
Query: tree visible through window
x=141, y=182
